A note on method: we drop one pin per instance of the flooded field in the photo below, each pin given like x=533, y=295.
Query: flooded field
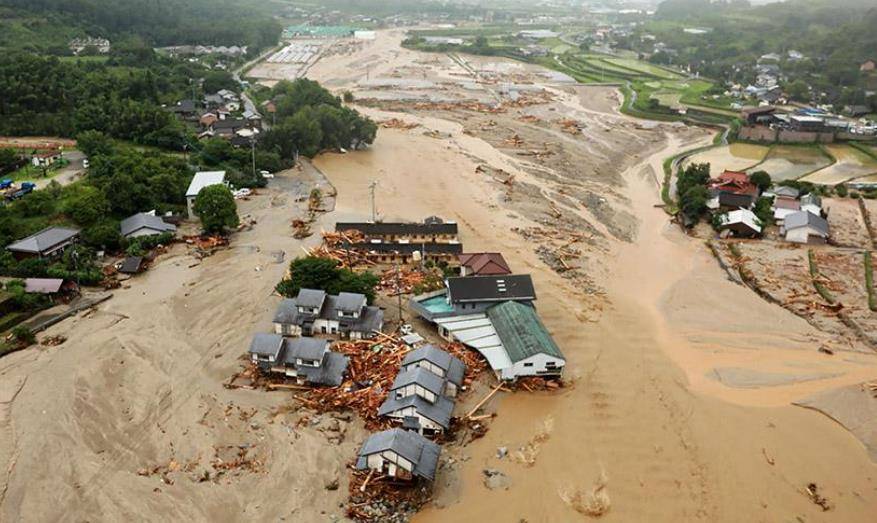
x=788, y=162
x=734, y=157
x=851, y=164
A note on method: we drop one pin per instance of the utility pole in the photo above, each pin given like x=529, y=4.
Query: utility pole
x=398, y=289
x=253, y=145
x=372, y=186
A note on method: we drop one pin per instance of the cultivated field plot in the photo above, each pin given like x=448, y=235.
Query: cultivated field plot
x=847, y=224
x=851, y=164
x=787, y=162
x=734, y=157
x=642, y=67
x=783, y=272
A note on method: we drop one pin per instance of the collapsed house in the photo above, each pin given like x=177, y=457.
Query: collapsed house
x=495, y=316
x=741, y=223
x=316, y=312
x=399, y=454
x=308, y=360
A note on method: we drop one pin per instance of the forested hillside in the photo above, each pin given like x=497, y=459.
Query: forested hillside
x=48, y=96
x=157, y=22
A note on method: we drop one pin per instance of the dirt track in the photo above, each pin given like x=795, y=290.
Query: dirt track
x=643, y=326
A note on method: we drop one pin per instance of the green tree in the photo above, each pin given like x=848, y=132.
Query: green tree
x=693, y=202
x=324, y=274
x=86, y=205
x=218, y=80
x=799, y=91
x=763, y=211
x=761, y=179
x=216, y=208
x=104, y=236
x=93, y=143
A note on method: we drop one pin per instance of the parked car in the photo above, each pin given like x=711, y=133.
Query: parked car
x=5, y=184
x=266, y=174
x=85, y=163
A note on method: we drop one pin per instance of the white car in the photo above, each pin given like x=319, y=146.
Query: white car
x=85, y=163
x=266, y=175
x=242, y=193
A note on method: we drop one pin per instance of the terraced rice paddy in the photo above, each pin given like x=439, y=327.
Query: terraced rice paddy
x=734, y=157
x=786, y=162
x=851, y=164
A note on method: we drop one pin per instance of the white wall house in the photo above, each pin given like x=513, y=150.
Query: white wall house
x=200, y=181
x=536, y=365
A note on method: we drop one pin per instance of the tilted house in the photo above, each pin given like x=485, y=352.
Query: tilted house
x=741, y=223
x=419, y=382
x=420, y=397
x=308, y=360
x=399, y=454
x=315, y=312
x=143, y=224
x=417, y=414
x=47, y=243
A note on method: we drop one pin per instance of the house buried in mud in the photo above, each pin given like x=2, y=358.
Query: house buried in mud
x=308, y=360
x=316, y=312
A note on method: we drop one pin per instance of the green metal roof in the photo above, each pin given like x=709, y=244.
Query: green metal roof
x=521, y=331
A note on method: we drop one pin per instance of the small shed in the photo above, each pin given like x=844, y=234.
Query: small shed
x=131, y=265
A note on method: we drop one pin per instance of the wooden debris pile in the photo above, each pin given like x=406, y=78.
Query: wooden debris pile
x=301, y=229
x=382, y=498
x=373, y=366
x=534, y=384
x=206, y=245
x=227, y=460
x=407, y=280
x=53, y=341
x=335, y=247
x=396, y=123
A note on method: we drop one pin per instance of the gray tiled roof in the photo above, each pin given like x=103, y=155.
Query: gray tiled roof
x=453, y=367
x=310, y=298
x=803, y=219
x=143, y=220
x=421, y=452
x=305, y=348
x=287, y=312
x=372, y=319
x=266, y=344
x=349, y=302
x=419, y=376
x=439, y=412
x=330, y=372
x=43, y=241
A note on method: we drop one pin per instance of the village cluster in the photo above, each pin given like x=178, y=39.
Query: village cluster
x=222, y=114
x=486, y=308
x=799, y=216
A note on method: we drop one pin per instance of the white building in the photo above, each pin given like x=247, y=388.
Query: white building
x=201, y=180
